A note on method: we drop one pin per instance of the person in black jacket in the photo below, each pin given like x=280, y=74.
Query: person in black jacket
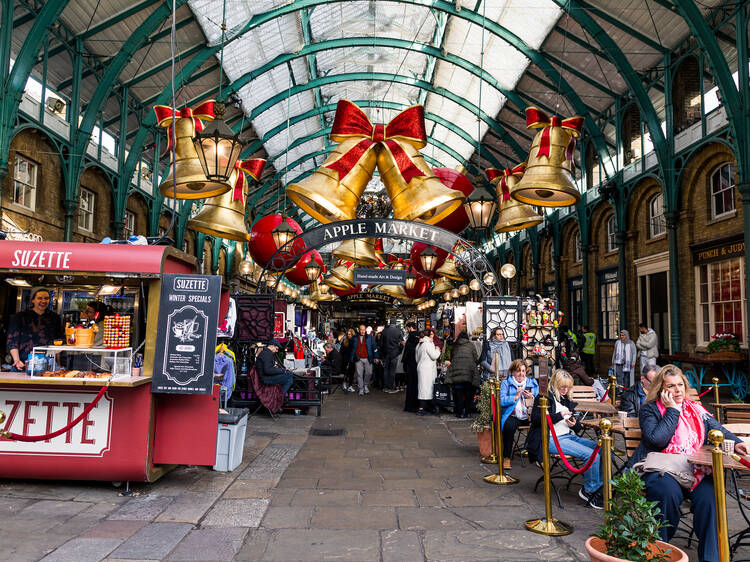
x=270, y=370
x=461, y=370
x=632, y=398
x=332, y=365
x=392, y=341
x=409, y=360
x=566, y=426
x=671, y=423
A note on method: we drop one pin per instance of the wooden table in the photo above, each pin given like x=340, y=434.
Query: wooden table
x=702, y=457
x=596, y=407
x=617, y=426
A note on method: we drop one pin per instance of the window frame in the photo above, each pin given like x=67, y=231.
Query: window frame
x=32, y=188
x=652, y=219
x=577, y=250
x=713, y=194
x=610, y=327
x=129, y=232
x=610, y=238
x=700, y=316
x=86, y=213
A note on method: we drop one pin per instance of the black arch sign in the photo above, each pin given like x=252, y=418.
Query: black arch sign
x=464, y=251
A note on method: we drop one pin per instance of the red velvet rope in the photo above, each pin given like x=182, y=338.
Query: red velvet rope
x=604, y=398
x=741, y=460
x=86, y=410
x=569, y=466
x=702, y=394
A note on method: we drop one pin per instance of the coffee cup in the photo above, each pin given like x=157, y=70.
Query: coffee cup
x=622, y=416
x=728, y=446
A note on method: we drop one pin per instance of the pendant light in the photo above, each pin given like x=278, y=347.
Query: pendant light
x=463, y=290
x=312, y=270
x=428, y=259
x=474, y=285
x=282, y=234
x=480, y=208
x=411, y=281
x=217, y=146
x=246, y=267
x=455, y=294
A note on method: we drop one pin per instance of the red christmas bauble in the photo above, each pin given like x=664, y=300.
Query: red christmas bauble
x=344, y=292
x=297, y=274
x=261, y=245
x=457, y=220
x=416, y=249
x=421, y=287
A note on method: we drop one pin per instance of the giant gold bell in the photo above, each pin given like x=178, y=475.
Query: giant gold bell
x=448, y=269
x=442, y=285
x=342, y=276
x=221, y=216
x=423, y=198
x=326, y=198
x=318, y=296
x=514, y=215
x=191, y=180
x=548, y=180
x=360, y=251
x=395, y=291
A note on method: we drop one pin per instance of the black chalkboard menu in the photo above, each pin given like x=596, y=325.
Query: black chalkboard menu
x=186, y=334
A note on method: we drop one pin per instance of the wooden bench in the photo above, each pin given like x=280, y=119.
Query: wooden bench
x=582, y=392
x=732, y=412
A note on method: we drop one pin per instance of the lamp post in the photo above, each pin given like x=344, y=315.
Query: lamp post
x=508, y=271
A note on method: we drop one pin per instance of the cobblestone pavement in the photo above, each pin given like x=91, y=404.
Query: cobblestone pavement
x=391, y=486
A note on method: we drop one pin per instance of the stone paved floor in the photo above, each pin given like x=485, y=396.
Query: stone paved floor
x=393, y=486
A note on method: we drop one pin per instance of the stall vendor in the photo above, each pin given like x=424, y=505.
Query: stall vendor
x=35, y=326
x=94, y=313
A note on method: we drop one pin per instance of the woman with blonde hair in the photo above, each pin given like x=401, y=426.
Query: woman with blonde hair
x=672, y=423
x=566, y=426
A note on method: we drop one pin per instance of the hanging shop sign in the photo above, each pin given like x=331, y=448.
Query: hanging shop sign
x=364, y=276
x=370, y=297
x=716, y=250
x=186, y=334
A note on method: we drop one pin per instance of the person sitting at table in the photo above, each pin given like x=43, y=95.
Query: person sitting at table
x=270, y=370
x=33, y=327
x=671, y=423
x=632, y=398
x=332, y=364
x=515, y=391
x=566, y=425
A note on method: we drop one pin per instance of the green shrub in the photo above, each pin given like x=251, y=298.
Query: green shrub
x=484, y=407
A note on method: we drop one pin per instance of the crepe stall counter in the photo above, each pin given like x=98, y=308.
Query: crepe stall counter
x=84, y=409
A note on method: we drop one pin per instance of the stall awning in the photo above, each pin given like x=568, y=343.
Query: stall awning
x=108, y=259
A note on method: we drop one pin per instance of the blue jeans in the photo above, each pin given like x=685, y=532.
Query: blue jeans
x=284, y=379
x=581, y=448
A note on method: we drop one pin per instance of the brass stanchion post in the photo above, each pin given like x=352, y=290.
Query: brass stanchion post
x=606, y=440
x=549, y=525
x=493, y=456
x=500, y=477
x=612, y=390
x=715, y=380
x=717, y=437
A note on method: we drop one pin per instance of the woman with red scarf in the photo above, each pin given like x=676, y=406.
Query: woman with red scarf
x=670, y=423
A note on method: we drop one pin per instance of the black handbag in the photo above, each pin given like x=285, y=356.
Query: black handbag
x=442, y=394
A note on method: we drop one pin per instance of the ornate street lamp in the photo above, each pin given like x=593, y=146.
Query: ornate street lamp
x=218, y=147
x=411, y=281
x=429, y=259
x=480, y=208
x=282, y=234
x=312, y=270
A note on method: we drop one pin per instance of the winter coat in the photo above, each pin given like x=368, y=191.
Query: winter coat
x=464, y=360
x=372, y=348
x=534, y=438
x=508, y=390
x=489, y=349
x=409, y=358
x=627, y=344
x=392, y=338
x=648, y=343
x=630, y=400
x=427, y=355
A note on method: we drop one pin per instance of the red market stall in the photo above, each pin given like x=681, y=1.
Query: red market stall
x=128, y=434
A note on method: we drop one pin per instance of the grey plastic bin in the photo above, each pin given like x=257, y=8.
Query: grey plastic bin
x=230, y=439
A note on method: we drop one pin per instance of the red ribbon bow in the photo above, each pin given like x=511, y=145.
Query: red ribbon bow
x=407, y=127
x=253, y=167
x=203, y=112
x=537, y=119
x=496, y=175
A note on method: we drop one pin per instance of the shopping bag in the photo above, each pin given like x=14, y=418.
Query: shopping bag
x=442, y=394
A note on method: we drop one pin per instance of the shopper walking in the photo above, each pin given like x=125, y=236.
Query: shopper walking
x=647, y=345
x=497, y=344
x=409, y=360
x=623, y=359
x=427, y=355
x=393, y=341
x=460, y=374
x=588, y=351
x=364, y=354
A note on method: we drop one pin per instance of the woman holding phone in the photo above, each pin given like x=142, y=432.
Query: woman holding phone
x=517, y=393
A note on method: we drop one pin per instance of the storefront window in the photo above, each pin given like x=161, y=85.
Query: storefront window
x=609, y=291
x=721, y=305
x=611, y=238
x=86, y=211
x=722, y=191
x=24, y=185
x=657, y=225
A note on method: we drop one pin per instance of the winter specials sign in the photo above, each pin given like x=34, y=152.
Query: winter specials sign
x=186, y=334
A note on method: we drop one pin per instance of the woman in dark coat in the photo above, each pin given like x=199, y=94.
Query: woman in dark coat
x=461, y=370
x=409, y=360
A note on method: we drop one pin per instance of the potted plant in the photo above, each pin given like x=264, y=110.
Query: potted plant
x=631, y=527
x=481, y=424
x=724, y=346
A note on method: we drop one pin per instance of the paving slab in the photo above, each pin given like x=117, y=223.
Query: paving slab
x=354, y=518
x=114, y=530
x=241, y=489
x=83, y=549
x=491, y=545
x=142, y=508
x=322, y=544
x=430, y=518
x=153, y=542
x=326, y=498
x=254, y=546
x=236, y=513
x=397, y=546
x=388, y=499
x=209, y=544
x=188, y=507
x=287, y=518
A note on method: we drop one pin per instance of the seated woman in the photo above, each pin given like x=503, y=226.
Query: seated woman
x=560, y=409
x=670, y=423
x=514, y=393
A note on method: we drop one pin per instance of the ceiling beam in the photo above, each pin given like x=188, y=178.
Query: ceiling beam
x=619, y=24
x=117, y=18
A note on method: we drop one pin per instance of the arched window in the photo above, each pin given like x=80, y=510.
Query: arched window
x=631, y=134
x=577, y=253
x=611, y=238
x=657, y=224
x=722, y=191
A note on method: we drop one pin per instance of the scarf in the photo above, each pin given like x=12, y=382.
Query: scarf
x=623, y=353
x=519, y=410
x=689, y=435
x=502, y=348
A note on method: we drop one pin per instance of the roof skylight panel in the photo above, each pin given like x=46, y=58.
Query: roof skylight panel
x=331, y=21
x=531, y=20
x=277, y=114
x=278, y=143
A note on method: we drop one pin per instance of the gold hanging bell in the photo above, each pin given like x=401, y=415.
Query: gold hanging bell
x=549, y=177
x=514, y=215
x=395, y=291
x=191, y=180
x=222, y=216
x=342, y=276
x=423, y=198
x=326, y=198
x=358, y=250
x=442, y=285
x=317, y=295
x=448, y=269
